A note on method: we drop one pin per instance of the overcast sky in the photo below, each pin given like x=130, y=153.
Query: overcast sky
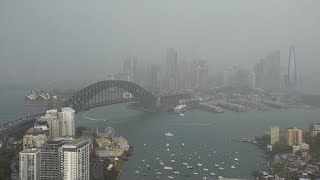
x=59, y=42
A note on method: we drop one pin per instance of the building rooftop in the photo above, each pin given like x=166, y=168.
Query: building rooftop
x=33, y=150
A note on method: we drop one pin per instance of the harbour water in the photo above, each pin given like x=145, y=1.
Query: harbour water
x=12, y=105
x=201, y=139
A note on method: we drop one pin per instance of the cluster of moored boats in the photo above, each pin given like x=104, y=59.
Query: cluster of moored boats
x=180, y=164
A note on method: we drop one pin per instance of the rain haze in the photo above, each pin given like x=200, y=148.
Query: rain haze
x=70, y=43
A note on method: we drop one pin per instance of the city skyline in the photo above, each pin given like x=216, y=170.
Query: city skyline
x=232, y=36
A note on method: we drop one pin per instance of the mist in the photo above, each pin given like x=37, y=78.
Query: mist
x=66, y=44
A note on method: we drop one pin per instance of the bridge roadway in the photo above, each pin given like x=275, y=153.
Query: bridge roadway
x=7, y=127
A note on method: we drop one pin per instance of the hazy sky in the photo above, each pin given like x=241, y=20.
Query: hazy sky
x=59, y=42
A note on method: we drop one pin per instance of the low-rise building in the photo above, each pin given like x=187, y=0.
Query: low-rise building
x=34, y=138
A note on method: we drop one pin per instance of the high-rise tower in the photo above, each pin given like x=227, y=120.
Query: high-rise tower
x=172, y=69
x=292, y=69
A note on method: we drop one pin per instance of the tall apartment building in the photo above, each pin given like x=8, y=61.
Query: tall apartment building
x=60, y=123
x=68, y=116
x=29, y=164
x=50, y=160
x=274, y=135
x=294, y=136
x=75, y=159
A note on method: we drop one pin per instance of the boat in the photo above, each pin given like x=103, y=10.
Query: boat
x=176, y=172
x=144, y=174
x=168, y=134
x=181, y=114
x=168, y=149
x=195, y=173
x=172, y=154
x=186, y=164
x=173, y=161
x=221, y=168
x=236, y=159
x=182, y=144
x=222, y=162
x=204, y=178
x=170, y=177
x=217, y=165
x=147, y=165
x=168, y=145
x=212, y=174
x=161, y=163
x=220, y=177
x=137, y=172
x=167, y=168
x=158, y=173
x=232, y=167
x=199, y=164
x=189, y=167
x=205, y=169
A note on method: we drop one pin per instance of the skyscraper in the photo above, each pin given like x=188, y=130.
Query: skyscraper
x=292, y=69
x=203, y=74
x=172, y=69
x=75, y=159
x=29, y=164
x=130, y=69
x=267, y=72
x=274, y=135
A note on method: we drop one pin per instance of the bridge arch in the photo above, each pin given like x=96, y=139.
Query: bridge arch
x=109, y=92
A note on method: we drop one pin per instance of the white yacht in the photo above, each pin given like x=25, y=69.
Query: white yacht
x=167, y=168
x=168, y=134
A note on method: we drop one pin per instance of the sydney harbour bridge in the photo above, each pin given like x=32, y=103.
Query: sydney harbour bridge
x=110, y=92
x=105, y=93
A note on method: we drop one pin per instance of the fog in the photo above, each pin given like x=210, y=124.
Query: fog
x=69, y=43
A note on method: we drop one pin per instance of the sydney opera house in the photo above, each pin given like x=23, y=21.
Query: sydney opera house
x=38, y=98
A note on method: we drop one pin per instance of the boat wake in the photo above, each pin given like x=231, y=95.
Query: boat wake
x=188, y=124
x=91, y=119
